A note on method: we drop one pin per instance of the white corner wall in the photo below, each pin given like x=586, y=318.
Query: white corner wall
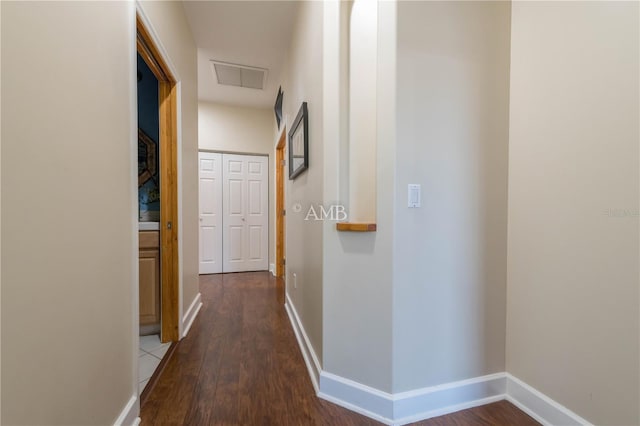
x=449, y=279
x=241, y=130
x=570, y=260
x=357, y=266
x=572, y=313
x=68, y=212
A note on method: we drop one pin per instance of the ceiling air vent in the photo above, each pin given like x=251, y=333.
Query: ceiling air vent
x=239, y=75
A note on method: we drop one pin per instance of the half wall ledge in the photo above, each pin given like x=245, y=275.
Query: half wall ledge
x=356, y=227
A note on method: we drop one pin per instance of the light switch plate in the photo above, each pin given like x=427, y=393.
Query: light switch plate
x=414, y=195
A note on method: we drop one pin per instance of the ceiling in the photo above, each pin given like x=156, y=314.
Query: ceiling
x=252, y=33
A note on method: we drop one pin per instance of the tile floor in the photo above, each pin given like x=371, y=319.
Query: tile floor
x=150, y=353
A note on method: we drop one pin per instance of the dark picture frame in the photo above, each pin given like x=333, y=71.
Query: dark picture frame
x=147, y=158
x=277, y=108
x=299, y=143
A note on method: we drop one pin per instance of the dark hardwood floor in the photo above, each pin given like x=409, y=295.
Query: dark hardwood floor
x=240, y=365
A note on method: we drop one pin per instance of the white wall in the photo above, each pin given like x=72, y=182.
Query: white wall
x=68, y=212
x=304, y=242
x=226, y=128
x=573, y=324
x=170, y=24
x=450, y=254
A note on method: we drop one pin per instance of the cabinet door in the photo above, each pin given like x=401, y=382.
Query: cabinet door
x=149, y=263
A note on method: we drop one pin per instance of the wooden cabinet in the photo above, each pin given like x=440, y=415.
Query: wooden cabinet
x=149, y=266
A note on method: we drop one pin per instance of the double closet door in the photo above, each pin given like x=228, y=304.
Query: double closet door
x=233, y=207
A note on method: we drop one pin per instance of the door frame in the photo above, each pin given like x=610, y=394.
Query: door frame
x=169, y=248
x=281, y=148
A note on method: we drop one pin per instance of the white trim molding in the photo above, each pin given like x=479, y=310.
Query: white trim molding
x=309, y=355
x=420, y=404
x=539, y=406
x=412, y=406
x=400, y=408
x=357, y=397
x=190, y=315
x=129, y=414
x=448, y=398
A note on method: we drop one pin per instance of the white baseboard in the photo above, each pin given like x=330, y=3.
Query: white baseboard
x=420, y=404
x=190, y=315
x=401, y=408
x=272, y=269
x=129, y=414
x=309, y=355
x=357, y=397
x=439, y=400
x=539, y=406
x=408, y=407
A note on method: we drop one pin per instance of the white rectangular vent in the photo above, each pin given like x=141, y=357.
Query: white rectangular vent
x=239, y=75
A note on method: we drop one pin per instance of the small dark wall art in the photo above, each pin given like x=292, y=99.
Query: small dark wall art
x=299, y=143
x=277, y=108
x=147, y=158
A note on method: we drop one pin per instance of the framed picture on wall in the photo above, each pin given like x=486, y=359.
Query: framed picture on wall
x=277, y=108
x=147, y=158
x=299, y=143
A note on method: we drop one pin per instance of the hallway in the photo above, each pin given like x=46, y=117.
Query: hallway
x=240, y=364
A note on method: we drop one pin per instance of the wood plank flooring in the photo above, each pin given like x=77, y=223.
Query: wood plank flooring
x=241, y=365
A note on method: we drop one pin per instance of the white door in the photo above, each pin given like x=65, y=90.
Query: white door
x=245, y=206
x=210, y=206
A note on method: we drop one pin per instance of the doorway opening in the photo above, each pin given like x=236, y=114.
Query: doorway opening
x=168, y=185
x=234, y=212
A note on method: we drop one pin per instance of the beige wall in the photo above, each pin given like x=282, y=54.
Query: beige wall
x=303, y=83
x=235, y=129
x=68, y=212
x=171, y=26
x=0, y=224
x=357, y=267
x=226, y=128
x=572, y=323
x=450, y=254
x=363, y=57
x=69, y=201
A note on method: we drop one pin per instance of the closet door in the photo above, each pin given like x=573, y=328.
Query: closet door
x=245, y=206
x=210, y=208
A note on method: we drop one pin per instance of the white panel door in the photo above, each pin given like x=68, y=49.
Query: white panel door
x=210, y=208
x=245, y=204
